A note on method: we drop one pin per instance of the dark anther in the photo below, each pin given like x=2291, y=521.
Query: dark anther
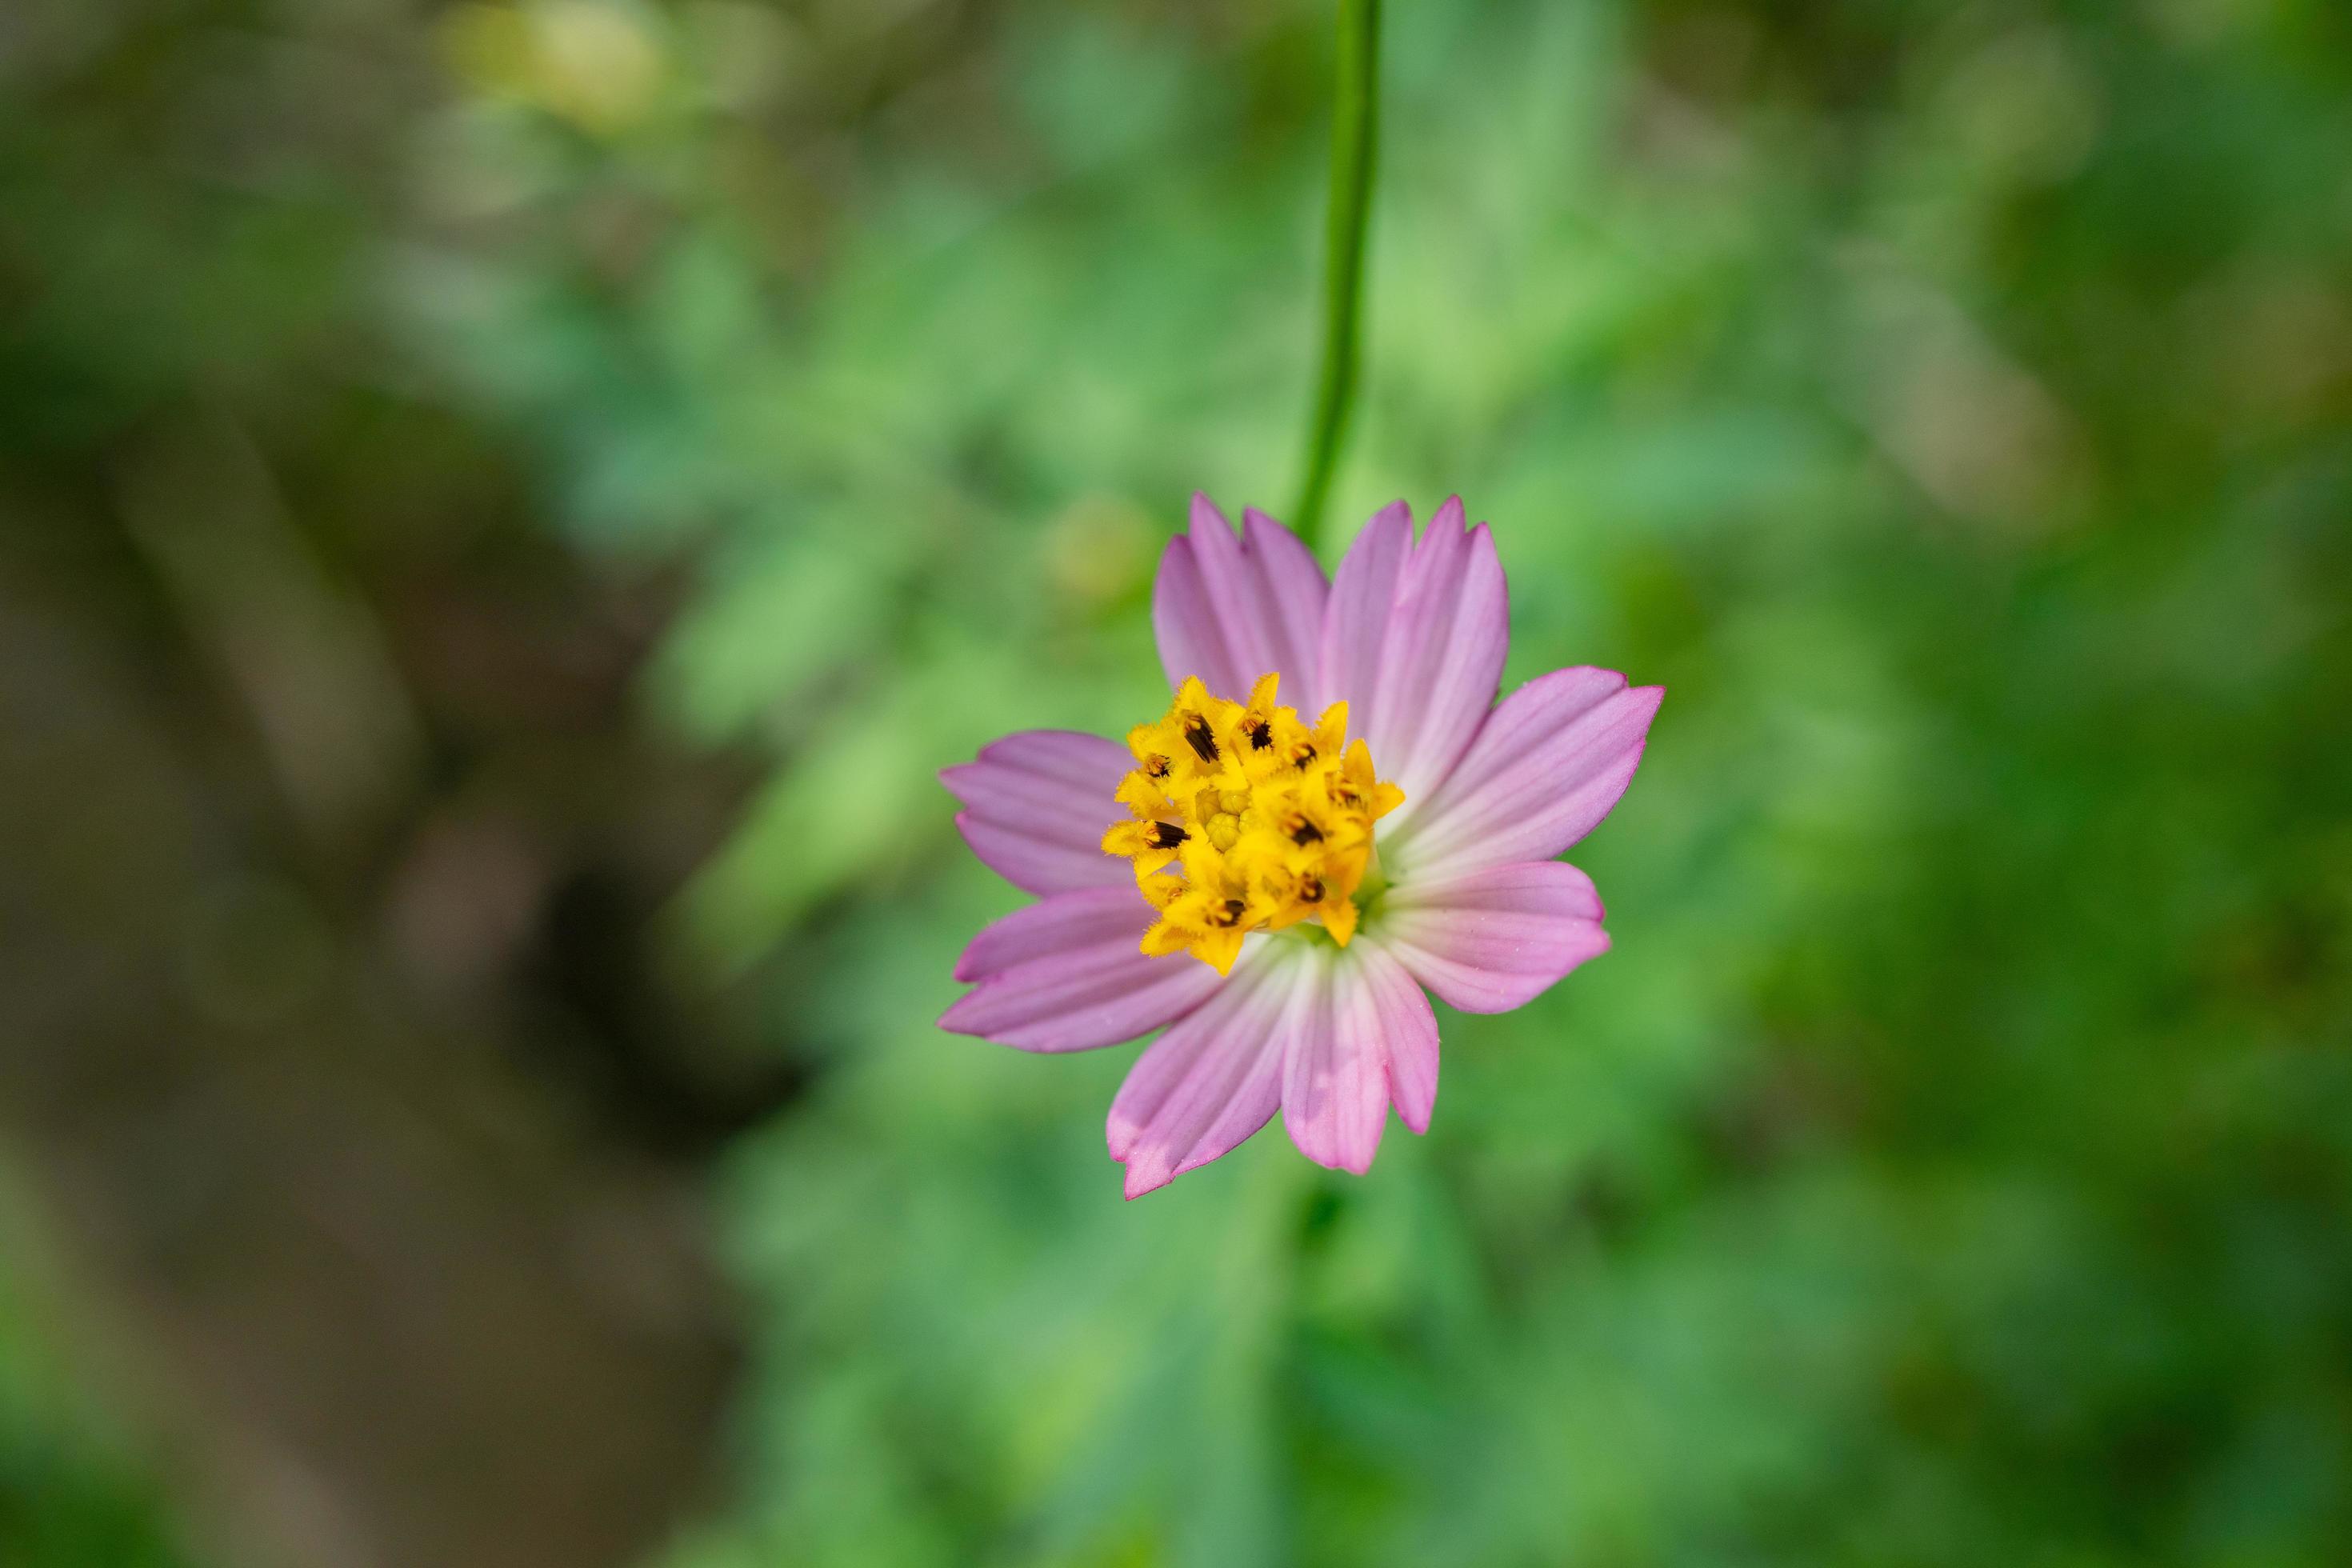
x=1167, y=836
x=1229, y=914
x=1261, y=736
x=1302, y=754
x=1305, y=832
x=1311, y=891
x=1198, y=735
x=1156, y=766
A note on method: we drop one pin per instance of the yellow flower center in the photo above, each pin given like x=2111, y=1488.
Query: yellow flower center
x=1242, y=817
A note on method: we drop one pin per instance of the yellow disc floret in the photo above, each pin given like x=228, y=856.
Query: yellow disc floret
x=1242, y=817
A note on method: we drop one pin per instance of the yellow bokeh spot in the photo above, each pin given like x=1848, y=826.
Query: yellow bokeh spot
x=1242, y=817
x=597, y=63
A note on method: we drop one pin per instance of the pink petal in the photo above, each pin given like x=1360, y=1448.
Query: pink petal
x=1292, y=583
x=1367, y=1038
x=1355, y=622
x=1229, y=610
x=1215, y=1078
x=1050, y=927
x=1545, y=769
x=1191, y=641
x=1036, y=804
x=1494, y=940
x=1415, y=643
x=1066, y=974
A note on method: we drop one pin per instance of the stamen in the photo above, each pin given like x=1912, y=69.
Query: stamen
x=1227, y=839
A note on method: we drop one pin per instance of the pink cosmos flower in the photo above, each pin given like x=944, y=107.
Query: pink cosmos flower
x=1274, y=885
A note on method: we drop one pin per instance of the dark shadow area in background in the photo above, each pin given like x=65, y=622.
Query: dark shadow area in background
x=366, y=1140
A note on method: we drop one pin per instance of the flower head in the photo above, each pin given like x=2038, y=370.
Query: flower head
x=1274, y=891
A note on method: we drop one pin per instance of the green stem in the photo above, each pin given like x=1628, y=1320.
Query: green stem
x=1355, y=134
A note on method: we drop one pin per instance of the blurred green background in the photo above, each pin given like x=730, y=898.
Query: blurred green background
x=503, y=508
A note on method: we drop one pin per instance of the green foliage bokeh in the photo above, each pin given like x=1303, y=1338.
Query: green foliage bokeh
x=1951, y=406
